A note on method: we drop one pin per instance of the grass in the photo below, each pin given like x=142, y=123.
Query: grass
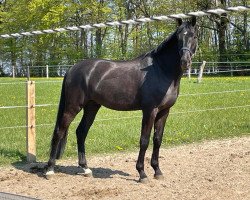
x=190, y=119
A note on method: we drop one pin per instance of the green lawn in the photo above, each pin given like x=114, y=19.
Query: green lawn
x=198, y=115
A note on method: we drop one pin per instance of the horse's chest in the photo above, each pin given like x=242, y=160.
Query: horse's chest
x=162, y=94
x=168, y=100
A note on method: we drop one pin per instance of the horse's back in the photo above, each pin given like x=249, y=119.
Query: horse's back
x=114, y=84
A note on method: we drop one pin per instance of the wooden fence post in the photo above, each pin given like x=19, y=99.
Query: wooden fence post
x=201, y=71
x=30, y=120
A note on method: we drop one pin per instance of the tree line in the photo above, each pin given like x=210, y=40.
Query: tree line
x=221, y=38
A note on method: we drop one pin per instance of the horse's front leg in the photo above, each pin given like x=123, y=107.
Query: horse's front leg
x=159, y=125
x=147, y=123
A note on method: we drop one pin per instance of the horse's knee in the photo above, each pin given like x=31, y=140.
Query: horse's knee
x=58, y=133
x=157, y=141
x=144, y=142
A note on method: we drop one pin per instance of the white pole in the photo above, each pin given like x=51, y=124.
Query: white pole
x=189, y=73
x=201, y=71
x=47, y=71
x=13, y=71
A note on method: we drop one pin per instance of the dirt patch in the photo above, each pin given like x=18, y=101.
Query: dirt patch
x=211, y=170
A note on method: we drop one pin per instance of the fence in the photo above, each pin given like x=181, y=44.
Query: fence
x=217, y=11
x=211, y=68
x=31, y=106
x=223, y=68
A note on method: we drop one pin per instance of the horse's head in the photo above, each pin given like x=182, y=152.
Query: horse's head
x=187, y=41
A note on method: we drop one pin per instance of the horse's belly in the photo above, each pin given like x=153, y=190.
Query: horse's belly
x=116, y=90
x=116, y=100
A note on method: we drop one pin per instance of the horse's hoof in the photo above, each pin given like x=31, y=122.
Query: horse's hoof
x=49, y=174
x=143, y=180
x=86, y=172
x=159, y=177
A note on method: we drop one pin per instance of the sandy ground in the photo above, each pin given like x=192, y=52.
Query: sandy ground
x=210, y=170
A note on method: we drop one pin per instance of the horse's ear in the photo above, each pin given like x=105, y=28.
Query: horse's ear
x=179, y=21
x=193, y=21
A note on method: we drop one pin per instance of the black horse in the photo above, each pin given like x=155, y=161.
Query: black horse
x=149, y=83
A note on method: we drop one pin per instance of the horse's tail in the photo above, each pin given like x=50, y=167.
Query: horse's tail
x=61, y=109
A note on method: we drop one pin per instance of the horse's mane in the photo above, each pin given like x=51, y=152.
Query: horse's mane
x=163, y=45
x=167, y=41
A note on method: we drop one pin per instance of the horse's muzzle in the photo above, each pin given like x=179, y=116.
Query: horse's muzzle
x=185, y=63
x=186, y=60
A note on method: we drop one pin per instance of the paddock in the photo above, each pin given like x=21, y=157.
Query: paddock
x=217, y=169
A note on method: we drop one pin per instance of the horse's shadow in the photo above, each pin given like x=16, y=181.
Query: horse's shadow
x=39, y=169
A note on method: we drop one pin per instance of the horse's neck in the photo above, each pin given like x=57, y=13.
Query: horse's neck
x=168, y=59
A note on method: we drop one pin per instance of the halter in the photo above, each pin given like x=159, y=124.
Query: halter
x=186, y=48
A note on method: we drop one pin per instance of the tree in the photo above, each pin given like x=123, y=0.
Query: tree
x=216, y=39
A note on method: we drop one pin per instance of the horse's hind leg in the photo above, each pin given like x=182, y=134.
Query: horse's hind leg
x=90, y=111
x=60, y=134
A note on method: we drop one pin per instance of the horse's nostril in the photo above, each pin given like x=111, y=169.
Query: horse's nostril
x=184, y=62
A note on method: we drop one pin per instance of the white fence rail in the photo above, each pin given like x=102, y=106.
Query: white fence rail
x=60, y=70
x=137, y=116
x=217, y=11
